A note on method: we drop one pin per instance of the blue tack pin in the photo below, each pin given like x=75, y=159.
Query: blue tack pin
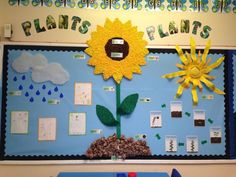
x=61, y=95
x=49, y=92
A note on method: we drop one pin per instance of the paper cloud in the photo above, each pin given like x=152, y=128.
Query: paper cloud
x=41, y=70
x=53, y=72
x=28, y=61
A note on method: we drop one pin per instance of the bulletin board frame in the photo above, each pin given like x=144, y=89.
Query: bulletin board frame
x=229, y=120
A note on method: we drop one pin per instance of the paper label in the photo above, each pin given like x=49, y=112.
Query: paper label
x=118, y=41
x=116, y=55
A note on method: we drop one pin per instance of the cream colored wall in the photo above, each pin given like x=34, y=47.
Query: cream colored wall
x=223, y=34
x=191, y=170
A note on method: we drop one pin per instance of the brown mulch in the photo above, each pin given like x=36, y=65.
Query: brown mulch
x=120, y=148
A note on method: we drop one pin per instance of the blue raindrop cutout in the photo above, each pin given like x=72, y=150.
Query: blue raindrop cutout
x=20, y=87
x=44, y=87
x=15, y=79
x=26, y=94
x=23, y=77
x=31, y=99
x=55, y=89
x=38, y=92
x=31, y=87
x=49, y=92
x=44, y=99
x=61, y=95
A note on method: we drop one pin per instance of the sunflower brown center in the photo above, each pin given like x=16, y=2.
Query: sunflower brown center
x=117, y=48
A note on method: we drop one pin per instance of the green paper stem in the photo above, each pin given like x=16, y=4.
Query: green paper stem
x=118, y=128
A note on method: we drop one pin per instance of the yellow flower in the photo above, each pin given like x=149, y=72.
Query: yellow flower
x=117, y=50
x=195, y=70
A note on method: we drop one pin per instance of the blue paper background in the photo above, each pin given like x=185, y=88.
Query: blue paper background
x=149, y=84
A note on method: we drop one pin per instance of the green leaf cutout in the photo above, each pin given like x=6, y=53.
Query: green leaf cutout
x=128, y=104
x=105, y=116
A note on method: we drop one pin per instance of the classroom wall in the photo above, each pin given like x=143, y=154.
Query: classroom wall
x=224, y=29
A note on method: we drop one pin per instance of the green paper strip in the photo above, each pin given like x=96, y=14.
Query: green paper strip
x=210, y=121
x=208, y=97
x=181, y=144
x=145, y=100
x=187, y=114
x=15, y=93
x=163, y=105
x=158, y=136
x=79, y=56
x=118, y=128
x=52, y=101
x=109, y=88
x=96, y=131
x=140, y=136
x=203, y=142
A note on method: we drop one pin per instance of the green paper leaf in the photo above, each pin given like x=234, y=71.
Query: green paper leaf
x=128, y=104
x=105, y=116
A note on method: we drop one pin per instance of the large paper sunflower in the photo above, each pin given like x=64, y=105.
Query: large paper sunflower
x=117, y=50
x=195, y=70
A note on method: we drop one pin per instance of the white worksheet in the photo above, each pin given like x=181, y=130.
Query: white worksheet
x=83, y=94
x=77, y=123
x=19, y=122
x=47, y=129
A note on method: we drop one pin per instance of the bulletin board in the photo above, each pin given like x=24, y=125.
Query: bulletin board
x=50, y=97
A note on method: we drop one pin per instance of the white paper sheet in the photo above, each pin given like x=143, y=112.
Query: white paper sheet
x=77, y=123
x=47, y=129
x=83, y=94
x=19, y=122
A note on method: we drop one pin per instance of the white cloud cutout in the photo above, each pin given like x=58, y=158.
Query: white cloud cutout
x=41, y=70
x=28, y=61
x=52, y=72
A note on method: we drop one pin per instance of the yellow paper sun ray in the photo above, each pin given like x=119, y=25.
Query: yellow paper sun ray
x=194, y=70
x=206, y=50
x=180, y=91
x=193, y=49
x=215, y=65
x=181, y=55
x=174, y=74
